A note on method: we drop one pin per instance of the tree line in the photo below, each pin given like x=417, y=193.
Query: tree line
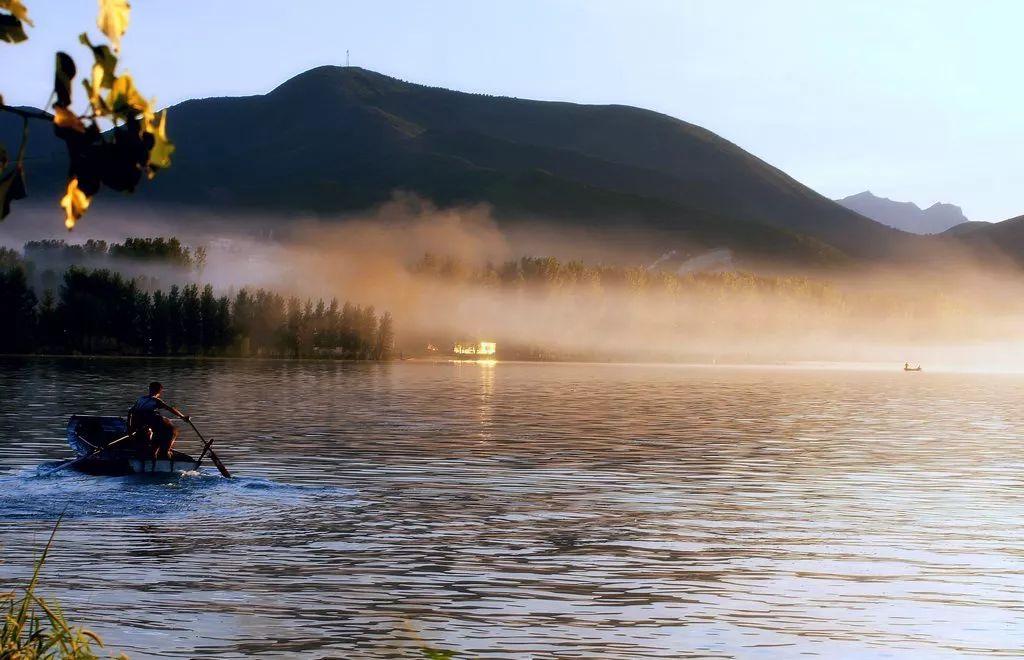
x=98, y=311
x=133, y=254
x=164, y=250
x=710, y=288
x=554, y=273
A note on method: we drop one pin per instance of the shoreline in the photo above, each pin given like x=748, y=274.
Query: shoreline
x=801, y=365
x=240, y=358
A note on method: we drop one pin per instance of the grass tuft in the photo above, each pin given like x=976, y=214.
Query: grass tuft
x=36, y=629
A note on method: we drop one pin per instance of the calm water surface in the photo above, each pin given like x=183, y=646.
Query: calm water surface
x=533, y=510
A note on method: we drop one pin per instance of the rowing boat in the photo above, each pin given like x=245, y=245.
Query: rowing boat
x=89, y=437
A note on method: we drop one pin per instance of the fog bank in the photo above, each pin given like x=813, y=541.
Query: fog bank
x=960, y=315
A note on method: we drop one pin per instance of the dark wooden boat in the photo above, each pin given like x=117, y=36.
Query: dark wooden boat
x=90, y=435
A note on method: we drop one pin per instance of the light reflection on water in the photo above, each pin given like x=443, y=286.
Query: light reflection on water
x=533, y=510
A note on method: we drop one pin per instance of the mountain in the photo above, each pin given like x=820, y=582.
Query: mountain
x=967, y=228
x=907, y=216
x=337, y=139
x=45, y=159
x=993, y=238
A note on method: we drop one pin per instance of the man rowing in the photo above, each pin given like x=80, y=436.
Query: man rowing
x=145, y=419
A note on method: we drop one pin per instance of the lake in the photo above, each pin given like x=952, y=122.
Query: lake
x=532, y=510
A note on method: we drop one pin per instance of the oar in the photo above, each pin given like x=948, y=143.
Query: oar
x=213, y=455
x=206, y=448
x=76, y=461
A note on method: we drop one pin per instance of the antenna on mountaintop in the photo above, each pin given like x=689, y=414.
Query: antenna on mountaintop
x=346, y=58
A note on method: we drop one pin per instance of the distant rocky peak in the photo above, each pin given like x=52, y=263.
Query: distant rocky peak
x=907, y=216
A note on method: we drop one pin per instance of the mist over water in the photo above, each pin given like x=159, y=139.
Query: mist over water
x=950, y=313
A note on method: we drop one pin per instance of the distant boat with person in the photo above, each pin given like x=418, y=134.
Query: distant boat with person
x=907, y=367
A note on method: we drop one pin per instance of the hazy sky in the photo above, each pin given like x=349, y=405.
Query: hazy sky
x=918, y=101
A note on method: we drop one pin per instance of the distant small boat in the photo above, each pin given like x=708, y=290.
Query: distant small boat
x=89, y=435
x=907, y=367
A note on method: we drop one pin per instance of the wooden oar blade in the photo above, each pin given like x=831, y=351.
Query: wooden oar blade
x=220, y=466
x=216, y=461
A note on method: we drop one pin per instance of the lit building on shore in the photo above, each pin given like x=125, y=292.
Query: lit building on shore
x=487, y=348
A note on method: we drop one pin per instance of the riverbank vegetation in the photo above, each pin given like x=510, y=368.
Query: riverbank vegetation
x=35, y=628
x=100, y=311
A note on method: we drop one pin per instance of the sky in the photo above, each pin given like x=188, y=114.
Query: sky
x=914, y=100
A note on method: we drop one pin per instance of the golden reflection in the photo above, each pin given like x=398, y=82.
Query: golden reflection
x=485, y=411
x=483, y=363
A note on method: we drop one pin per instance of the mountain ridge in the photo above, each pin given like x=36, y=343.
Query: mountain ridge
x=339, y=139
x=906, y=216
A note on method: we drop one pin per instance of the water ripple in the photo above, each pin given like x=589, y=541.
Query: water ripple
x=531, y=510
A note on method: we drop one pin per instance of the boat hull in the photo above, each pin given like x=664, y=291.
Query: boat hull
x=89, y=436
x=124, y=465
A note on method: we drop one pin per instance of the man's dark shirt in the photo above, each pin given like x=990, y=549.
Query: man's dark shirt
x=144, y=412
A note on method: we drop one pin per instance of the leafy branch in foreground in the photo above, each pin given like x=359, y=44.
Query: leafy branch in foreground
x=116, y=157
x=35, y=628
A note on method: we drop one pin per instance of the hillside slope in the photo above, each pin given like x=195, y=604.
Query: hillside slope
x=338, y=139
x=992, y=238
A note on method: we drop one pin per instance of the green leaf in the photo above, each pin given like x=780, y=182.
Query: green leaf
x=63, y=75
x=88, y=155
x=11, y=29
x=12, y=187
x=122, y=162
x=105, y=60
x=102, y=75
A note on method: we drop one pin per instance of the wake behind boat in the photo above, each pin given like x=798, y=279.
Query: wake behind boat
x=103, y=446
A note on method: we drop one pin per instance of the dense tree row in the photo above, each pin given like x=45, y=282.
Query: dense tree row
x=554, y=273
x=101, y=312
x=59, y=255
x=726, y=287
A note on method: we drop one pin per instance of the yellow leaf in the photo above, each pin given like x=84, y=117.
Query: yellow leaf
x=106, y=62
x=17, y=9
x=125, y=96
x=94, y=86
x=102, y=75
x=66, y=119
x=160, y=153
x=75, y=203
x=113, y=20
x=156, y=122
